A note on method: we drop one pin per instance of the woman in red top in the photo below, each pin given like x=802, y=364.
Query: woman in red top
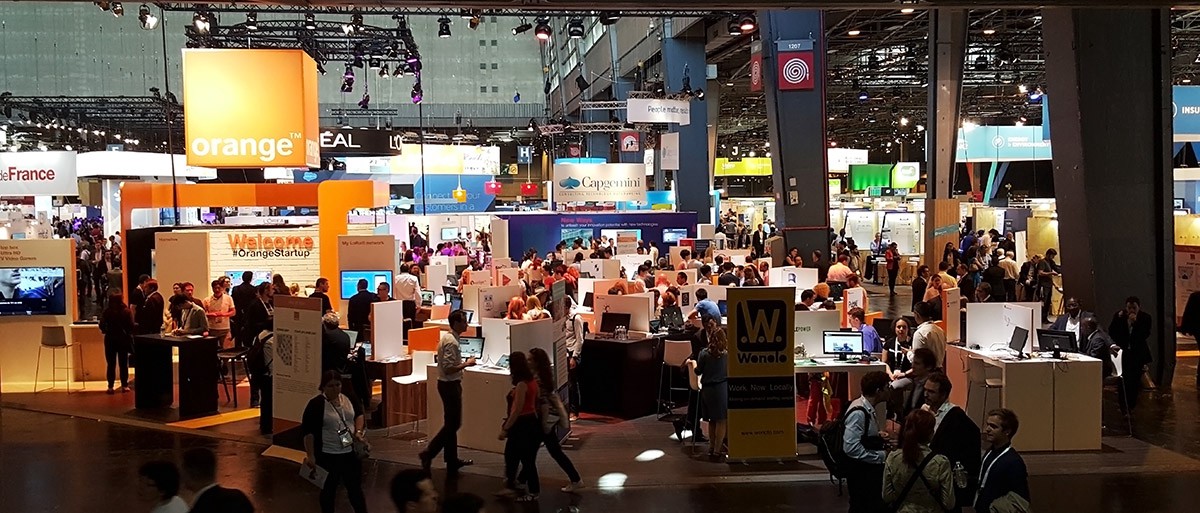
x=522, y=430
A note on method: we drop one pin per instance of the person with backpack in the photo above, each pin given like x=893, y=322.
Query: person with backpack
x=916, y=479
x=863, y=447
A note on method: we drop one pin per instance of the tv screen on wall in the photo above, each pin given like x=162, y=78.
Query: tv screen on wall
x=374, y=278
x=33, y=291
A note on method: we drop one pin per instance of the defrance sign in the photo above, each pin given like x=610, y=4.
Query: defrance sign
x=599, y=182
x=762, y=382
x=346, y=142
x=34, y=173
x=640, y=110
x=250, y=108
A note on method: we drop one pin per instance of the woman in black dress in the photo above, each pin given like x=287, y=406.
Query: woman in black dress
x=117, y=325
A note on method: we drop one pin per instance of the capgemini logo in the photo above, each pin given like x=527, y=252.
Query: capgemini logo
x=569, y=183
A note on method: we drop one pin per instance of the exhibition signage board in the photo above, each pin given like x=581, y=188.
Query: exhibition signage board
x=1187, y=276
x=1002, y=144
x=250, y=108
x=641, y=110
x=840, y=159
x=756, y=62
x=34, y=173
x=599, y=182
x=668, y=145
x=1185, y=113
x=795, y=65
x=524, y=154
x=905, y=175
x=749, y=166
x=631, y=142
x=762, y=395
x=344, y=142
x=296, y=365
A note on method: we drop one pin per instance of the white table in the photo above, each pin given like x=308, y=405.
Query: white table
x=854, y=374
x=1057, y=401
x=484, y=407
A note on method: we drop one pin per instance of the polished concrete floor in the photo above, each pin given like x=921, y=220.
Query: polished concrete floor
x=59, y=463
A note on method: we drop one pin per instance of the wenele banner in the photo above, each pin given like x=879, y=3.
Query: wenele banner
x=762, y=391
x=34, y=173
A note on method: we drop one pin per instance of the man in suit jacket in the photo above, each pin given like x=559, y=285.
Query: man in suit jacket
x=759, y=240
x=1096, y=343
x=1072, y=320
x=200, y=476
x=149, y=317
x=955, y=436
x=1002, y=471
x=1130, y=331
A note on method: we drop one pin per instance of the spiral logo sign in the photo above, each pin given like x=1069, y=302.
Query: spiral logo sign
x=756, y=73
x=795, y=71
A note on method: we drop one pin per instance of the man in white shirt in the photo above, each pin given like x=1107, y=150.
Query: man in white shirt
x=219, y=309
x=449, y=384
x=1071, y=319
x=1012, y=270
x=408, y=287
x=840, y=272
x=928, y=334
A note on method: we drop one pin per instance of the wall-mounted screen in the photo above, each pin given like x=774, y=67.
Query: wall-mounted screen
x=672, y=235
x=374, y=278
x=449, y=233
x=260, y=276
x=33, y=291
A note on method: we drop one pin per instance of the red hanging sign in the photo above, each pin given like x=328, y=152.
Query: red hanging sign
x=795, y=71
x=756, y=62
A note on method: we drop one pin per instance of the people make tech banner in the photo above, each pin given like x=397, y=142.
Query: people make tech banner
x=762, y=386
x=641, y=110
x=599, y=182
x=34, y=173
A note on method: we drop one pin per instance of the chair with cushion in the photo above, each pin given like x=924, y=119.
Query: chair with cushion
x=54, y=338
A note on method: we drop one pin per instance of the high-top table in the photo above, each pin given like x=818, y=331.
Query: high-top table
x=156, y=375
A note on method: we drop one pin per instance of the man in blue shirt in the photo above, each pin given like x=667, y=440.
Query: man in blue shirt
x=858, y=321
x=864, y=447
x=705, y=307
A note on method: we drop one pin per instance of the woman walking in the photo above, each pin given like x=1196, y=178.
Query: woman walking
x=333, y=426
x=522, y=430
x=117, y=325
x=934, y=493
x=553, y=414
x=712, y=365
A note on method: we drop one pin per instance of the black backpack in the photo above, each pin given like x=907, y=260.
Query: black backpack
x=830, y=446
x=256, y=358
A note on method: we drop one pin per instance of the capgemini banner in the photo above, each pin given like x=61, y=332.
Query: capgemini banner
x=599, y=182
x=641, y=110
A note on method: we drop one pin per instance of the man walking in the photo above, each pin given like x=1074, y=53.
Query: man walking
x=449, y=385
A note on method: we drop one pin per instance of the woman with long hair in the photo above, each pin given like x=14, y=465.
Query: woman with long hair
x=794, y=259
x=332, y=426
x=915, y=480
x=522, y=431
x=712, y=365
x=117, y=325
x=516, y=309
x=897, y=347
x=553, y=414
x=751, y=277
x=534, y=310
x=280, y=286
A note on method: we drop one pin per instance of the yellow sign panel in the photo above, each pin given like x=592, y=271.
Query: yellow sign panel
x=250, y=108
x=749, y=166
x=762, y=383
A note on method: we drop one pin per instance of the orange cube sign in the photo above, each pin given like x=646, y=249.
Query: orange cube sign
x=250, y=108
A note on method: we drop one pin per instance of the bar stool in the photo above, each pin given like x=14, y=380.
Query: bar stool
x=54, y=338
x=229, y=357
x=413, y=387
x=675, y=352
x=977, y=377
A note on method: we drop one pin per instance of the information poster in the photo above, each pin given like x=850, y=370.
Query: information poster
x=903, y=230
x=296, y=366
x=627, y=242
x=762, y=390
x=1187, y=277
x=851, y=299
x=951, y=301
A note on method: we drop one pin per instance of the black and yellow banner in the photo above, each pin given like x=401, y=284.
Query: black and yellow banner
x=762, y=385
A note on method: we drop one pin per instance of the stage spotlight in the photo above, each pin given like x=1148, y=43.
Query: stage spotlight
x=118, y=10
x=147, y=20
x=417, y=93
x=735, y=28
x=373, y=63
x=201, y=22
x=384, y=71
x=864, y=95
x=575, y=28
x=543, y=30
x=252, y=20
x=348, y=79
x=443, y=27
x=699, y=94
x=310, y=21
x=321, y=68
x=748, y=23
x=609, y=17
x=474, y=22
x=365, y=102
x=522, y=28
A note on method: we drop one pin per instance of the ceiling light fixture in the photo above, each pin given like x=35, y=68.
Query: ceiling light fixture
x=989, y=31
x=609, y=17
x=522, y=28
x=310, y=21
x=443, y=27
x=748, y=23
x=735, y=28
x=201, y=22
x=907, y=10
x=854, y=32
x=575, y=28
x=252, y=20
x=348, y=79
x=543, y=30
x=146, y=19
x=118, y=10
x=864, y=95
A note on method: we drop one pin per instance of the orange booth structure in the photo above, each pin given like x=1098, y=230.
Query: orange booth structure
x=333, y=199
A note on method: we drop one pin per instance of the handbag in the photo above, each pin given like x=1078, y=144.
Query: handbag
x=912, y=480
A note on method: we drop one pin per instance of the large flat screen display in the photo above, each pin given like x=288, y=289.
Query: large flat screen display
x=374, y=278
x=235, y=277
x=33, y=291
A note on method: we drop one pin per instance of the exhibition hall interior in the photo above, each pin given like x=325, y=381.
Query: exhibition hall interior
x=591, y=256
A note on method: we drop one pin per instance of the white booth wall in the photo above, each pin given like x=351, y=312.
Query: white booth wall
x=23, y=334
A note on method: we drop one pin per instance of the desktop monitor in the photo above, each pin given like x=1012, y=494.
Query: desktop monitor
x=1019, y=336
x=353, y=336
x=449, y=233
x=502, y=362
x=835, y=290
x=448, y=290
x=1057, y=342
x=610, y=320
x=723, y=306
x=588, y=299
x=842, y=343
x=471, y=347
x=426, y=298
x=456, y=301
x=470, y=315
x=349, y=281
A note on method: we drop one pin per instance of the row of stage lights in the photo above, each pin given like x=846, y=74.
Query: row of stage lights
x=146, y=19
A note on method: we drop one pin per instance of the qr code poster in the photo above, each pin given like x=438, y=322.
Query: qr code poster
x=285, y=349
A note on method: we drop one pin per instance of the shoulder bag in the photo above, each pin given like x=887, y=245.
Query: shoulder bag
x=912, y=480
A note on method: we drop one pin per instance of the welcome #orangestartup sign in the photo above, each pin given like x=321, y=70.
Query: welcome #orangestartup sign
x=250, y=108
x=259, y=246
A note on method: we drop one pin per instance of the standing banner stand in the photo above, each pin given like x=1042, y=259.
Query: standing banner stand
x=951, y=314
x=762, y=385
x=295, y=366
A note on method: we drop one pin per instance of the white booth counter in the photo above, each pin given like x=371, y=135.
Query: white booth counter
x=484, y=407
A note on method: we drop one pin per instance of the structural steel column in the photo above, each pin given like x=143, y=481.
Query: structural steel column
x=1109, y=71
x=947, y=51
x=686, y=54
x=796, y=119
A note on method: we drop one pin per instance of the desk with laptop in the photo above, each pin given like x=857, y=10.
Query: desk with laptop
x=1055, y=391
